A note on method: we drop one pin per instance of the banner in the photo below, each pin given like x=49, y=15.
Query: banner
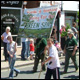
x=38, y=22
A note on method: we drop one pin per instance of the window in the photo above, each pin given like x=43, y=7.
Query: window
x=11, y=17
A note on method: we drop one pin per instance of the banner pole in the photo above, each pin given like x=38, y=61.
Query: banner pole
x=54, y=22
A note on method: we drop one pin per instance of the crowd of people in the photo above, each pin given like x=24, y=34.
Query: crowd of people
x=40, y=47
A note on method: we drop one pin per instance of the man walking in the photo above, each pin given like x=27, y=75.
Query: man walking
x=39, y=53
x=53, y=61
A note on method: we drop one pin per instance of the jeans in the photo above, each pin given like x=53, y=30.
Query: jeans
x=23, y=50
x=27, y=48
x=11, y=65
x=5, y=50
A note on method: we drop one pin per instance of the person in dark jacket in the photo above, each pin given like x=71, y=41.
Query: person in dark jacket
x=39, y=53
x=70, y=51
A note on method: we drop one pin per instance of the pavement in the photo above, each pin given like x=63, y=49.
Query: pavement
x=19, y=62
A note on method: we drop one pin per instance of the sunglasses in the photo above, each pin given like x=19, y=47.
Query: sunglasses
x=68, y=34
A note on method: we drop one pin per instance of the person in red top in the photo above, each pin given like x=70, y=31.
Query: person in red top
x=31, y=48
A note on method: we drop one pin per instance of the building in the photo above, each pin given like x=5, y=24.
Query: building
x=69, y=12
x=11, y=12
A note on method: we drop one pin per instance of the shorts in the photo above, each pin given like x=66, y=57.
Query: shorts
x=31, y=52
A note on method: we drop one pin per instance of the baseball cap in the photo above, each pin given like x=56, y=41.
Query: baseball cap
x=70, y=32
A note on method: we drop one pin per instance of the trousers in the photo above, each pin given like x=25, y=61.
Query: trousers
x=36, y=62
x=55, y=72
x=12, y=68
x=5, y=51
x=68, y=55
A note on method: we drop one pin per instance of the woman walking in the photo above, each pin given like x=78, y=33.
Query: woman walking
x=5, y=41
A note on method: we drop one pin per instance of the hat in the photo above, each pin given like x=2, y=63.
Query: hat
x=70, y=32
x=8, y=28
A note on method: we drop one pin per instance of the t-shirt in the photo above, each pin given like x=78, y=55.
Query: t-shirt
x=40, y=45
x=11, y=48
x=70, y=43
x=62, y=30
x=24, y=39
x=54, y=62
x=5, y=36
x=31, y=47
x=74, y=29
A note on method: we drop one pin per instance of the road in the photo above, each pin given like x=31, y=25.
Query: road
x=26, y=72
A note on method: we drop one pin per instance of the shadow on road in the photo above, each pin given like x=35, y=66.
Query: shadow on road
x=72, y=77
x=62, y=73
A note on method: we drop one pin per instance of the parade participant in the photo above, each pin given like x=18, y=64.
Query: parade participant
x=27, y=48
x=74, y=29
x=70, y=51
x=62, y=38
x=31, y=49
x=23, y=52
x=5, y=41
x=11, y=49
x=58, y=46
x=53, y=61
x=39, y=52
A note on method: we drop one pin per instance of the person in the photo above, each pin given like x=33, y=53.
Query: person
x=39, y=53
x=5, y=41
x=11, y=49
x=23, y=48
x=58, y=46
x=70, y=51
x=27, y=48
x=31, y=49
x=54, y=35
x=74, y=29
x=53, y=61
x=62, y=29
x=62, y=38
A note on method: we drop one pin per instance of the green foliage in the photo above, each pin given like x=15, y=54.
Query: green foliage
x=64, y=33
x=26, y=20
x=50, y=19
x=68, y=27
x=34, y=32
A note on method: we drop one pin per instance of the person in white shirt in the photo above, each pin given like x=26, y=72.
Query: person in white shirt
x=12, y=49
x=5, y=41
x=53, y=61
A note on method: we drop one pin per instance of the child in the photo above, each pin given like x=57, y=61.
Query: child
x=31, y=49
x=57, y=44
